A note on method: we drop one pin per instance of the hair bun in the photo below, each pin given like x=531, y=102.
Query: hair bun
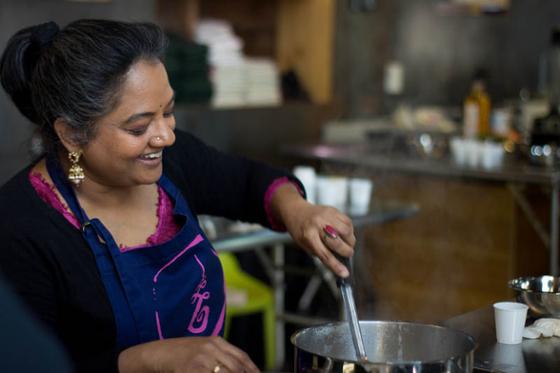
x=43, y=34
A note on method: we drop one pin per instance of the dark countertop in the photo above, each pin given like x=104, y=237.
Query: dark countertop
x=365, y=155
x=532, y=355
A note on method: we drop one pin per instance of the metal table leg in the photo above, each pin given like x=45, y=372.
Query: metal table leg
x=279, y=289
x=554, y=230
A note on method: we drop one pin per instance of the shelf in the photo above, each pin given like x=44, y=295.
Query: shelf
x=478, y=8
x=287, y=106
x=297, y=34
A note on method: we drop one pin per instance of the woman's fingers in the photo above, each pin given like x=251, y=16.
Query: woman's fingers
x=233, y=359
x=322, y=249
x=308, y=226
x=345, y=229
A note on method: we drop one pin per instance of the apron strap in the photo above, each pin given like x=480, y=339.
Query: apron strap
x=59, y=179
x=92, y=230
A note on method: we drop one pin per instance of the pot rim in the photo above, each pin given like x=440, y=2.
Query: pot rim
x=467, y=336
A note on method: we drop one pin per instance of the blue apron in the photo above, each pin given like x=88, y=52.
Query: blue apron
x=169, y=290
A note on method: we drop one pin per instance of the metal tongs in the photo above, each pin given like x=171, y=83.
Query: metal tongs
x=345, y=285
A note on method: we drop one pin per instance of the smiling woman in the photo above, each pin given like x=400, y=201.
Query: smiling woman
x=99, y=233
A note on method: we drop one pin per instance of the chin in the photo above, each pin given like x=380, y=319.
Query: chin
x=147, y=179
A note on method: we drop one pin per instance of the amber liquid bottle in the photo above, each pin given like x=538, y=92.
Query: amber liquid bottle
x=476, y=115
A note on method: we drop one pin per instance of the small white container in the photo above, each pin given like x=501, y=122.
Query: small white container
x=360, y=190
x=510, y=320
x=308, y=177
x=475, y=152
x=332, y=191
x=493, y=155
x=458, y=150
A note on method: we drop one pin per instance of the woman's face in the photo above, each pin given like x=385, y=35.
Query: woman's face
x=127, y=147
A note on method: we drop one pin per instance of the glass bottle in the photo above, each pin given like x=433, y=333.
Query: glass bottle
x=476, y=109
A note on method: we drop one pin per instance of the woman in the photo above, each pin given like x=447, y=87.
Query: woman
x=100, y=236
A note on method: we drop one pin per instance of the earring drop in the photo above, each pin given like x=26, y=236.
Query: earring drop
x=76, y=172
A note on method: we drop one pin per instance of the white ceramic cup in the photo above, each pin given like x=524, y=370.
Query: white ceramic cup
x=359, y=195
x=308, y=177
x=332, y=191
x=510, y=321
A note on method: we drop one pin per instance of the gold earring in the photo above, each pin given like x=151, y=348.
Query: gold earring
x=76, y=172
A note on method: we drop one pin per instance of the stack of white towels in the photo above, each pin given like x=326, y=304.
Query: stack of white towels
x=237, y=80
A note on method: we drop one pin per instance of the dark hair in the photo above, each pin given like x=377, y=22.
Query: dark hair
x=75, y=73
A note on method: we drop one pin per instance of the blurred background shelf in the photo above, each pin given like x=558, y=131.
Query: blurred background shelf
x=297, y=34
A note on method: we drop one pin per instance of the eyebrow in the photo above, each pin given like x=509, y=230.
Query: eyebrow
x=136, y=116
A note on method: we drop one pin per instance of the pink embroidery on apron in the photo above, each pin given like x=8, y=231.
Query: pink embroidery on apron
x=194, y=242
x=201, y=313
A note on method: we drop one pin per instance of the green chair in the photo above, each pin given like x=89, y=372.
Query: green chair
x=255, y=296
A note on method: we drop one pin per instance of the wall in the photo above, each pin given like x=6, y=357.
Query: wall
x=439, y=52
x=16, y=14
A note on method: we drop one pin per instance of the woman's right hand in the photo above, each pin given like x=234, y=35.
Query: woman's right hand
x=186, y=355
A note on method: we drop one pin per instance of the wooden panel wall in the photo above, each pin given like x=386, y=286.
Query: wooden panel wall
x=305, y=44
x=455, y=255
x=178, y=16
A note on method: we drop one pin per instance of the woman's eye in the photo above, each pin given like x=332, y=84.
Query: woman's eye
x=169, y=113
x=137, y=131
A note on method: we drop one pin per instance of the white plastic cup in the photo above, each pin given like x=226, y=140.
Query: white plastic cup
x=308, y=177
x=359, y=195
x=493, y=155
x=475, y=152
x=510, y=321
x=459, y=150
x=332, y=191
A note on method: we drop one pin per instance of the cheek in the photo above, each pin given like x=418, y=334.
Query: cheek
x=115, y=151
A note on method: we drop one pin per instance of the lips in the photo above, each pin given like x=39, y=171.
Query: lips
x=151, y=156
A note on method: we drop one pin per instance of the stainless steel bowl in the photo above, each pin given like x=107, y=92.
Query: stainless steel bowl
x=541, y=294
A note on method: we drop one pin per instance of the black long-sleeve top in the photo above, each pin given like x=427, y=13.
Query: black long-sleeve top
x=53, y=269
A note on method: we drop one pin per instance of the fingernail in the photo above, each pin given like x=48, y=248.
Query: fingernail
x=344, y=273
x=330, y=231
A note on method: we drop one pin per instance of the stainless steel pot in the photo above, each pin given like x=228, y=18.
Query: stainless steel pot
x=391, y=346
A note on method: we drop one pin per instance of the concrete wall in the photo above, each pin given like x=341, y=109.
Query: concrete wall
x=16, y=14
x=439, y=52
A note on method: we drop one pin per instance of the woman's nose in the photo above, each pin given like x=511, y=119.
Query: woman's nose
x=163, y=136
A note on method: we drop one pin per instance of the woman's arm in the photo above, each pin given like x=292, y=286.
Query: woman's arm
x=185, y=355
x=305, y=223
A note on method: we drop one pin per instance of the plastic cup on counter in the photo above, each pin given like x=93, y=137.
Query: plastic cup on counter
x=458, y=150
x=475, y=152
x=510, y=320
x=360, y=190
x=493, y=155
x=308, y=177
x=332, y=191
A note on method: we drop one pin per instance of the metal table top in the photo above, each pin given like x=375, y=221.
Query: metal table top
x=531, y=356
x=381, y=212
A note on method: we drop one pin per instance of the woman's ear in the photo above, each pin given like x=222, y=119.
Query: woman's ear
x=65, y=135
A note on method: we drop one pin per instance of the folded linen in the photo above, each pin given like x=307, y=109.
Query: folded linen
x=545, y=327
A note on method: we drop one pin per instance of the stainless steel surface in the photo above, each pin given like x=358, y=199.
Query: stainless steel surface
x=381, y=212
x=391, y=346
x=541, y=294
x=353, y=321
x=365, y=155
x=531, y=356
